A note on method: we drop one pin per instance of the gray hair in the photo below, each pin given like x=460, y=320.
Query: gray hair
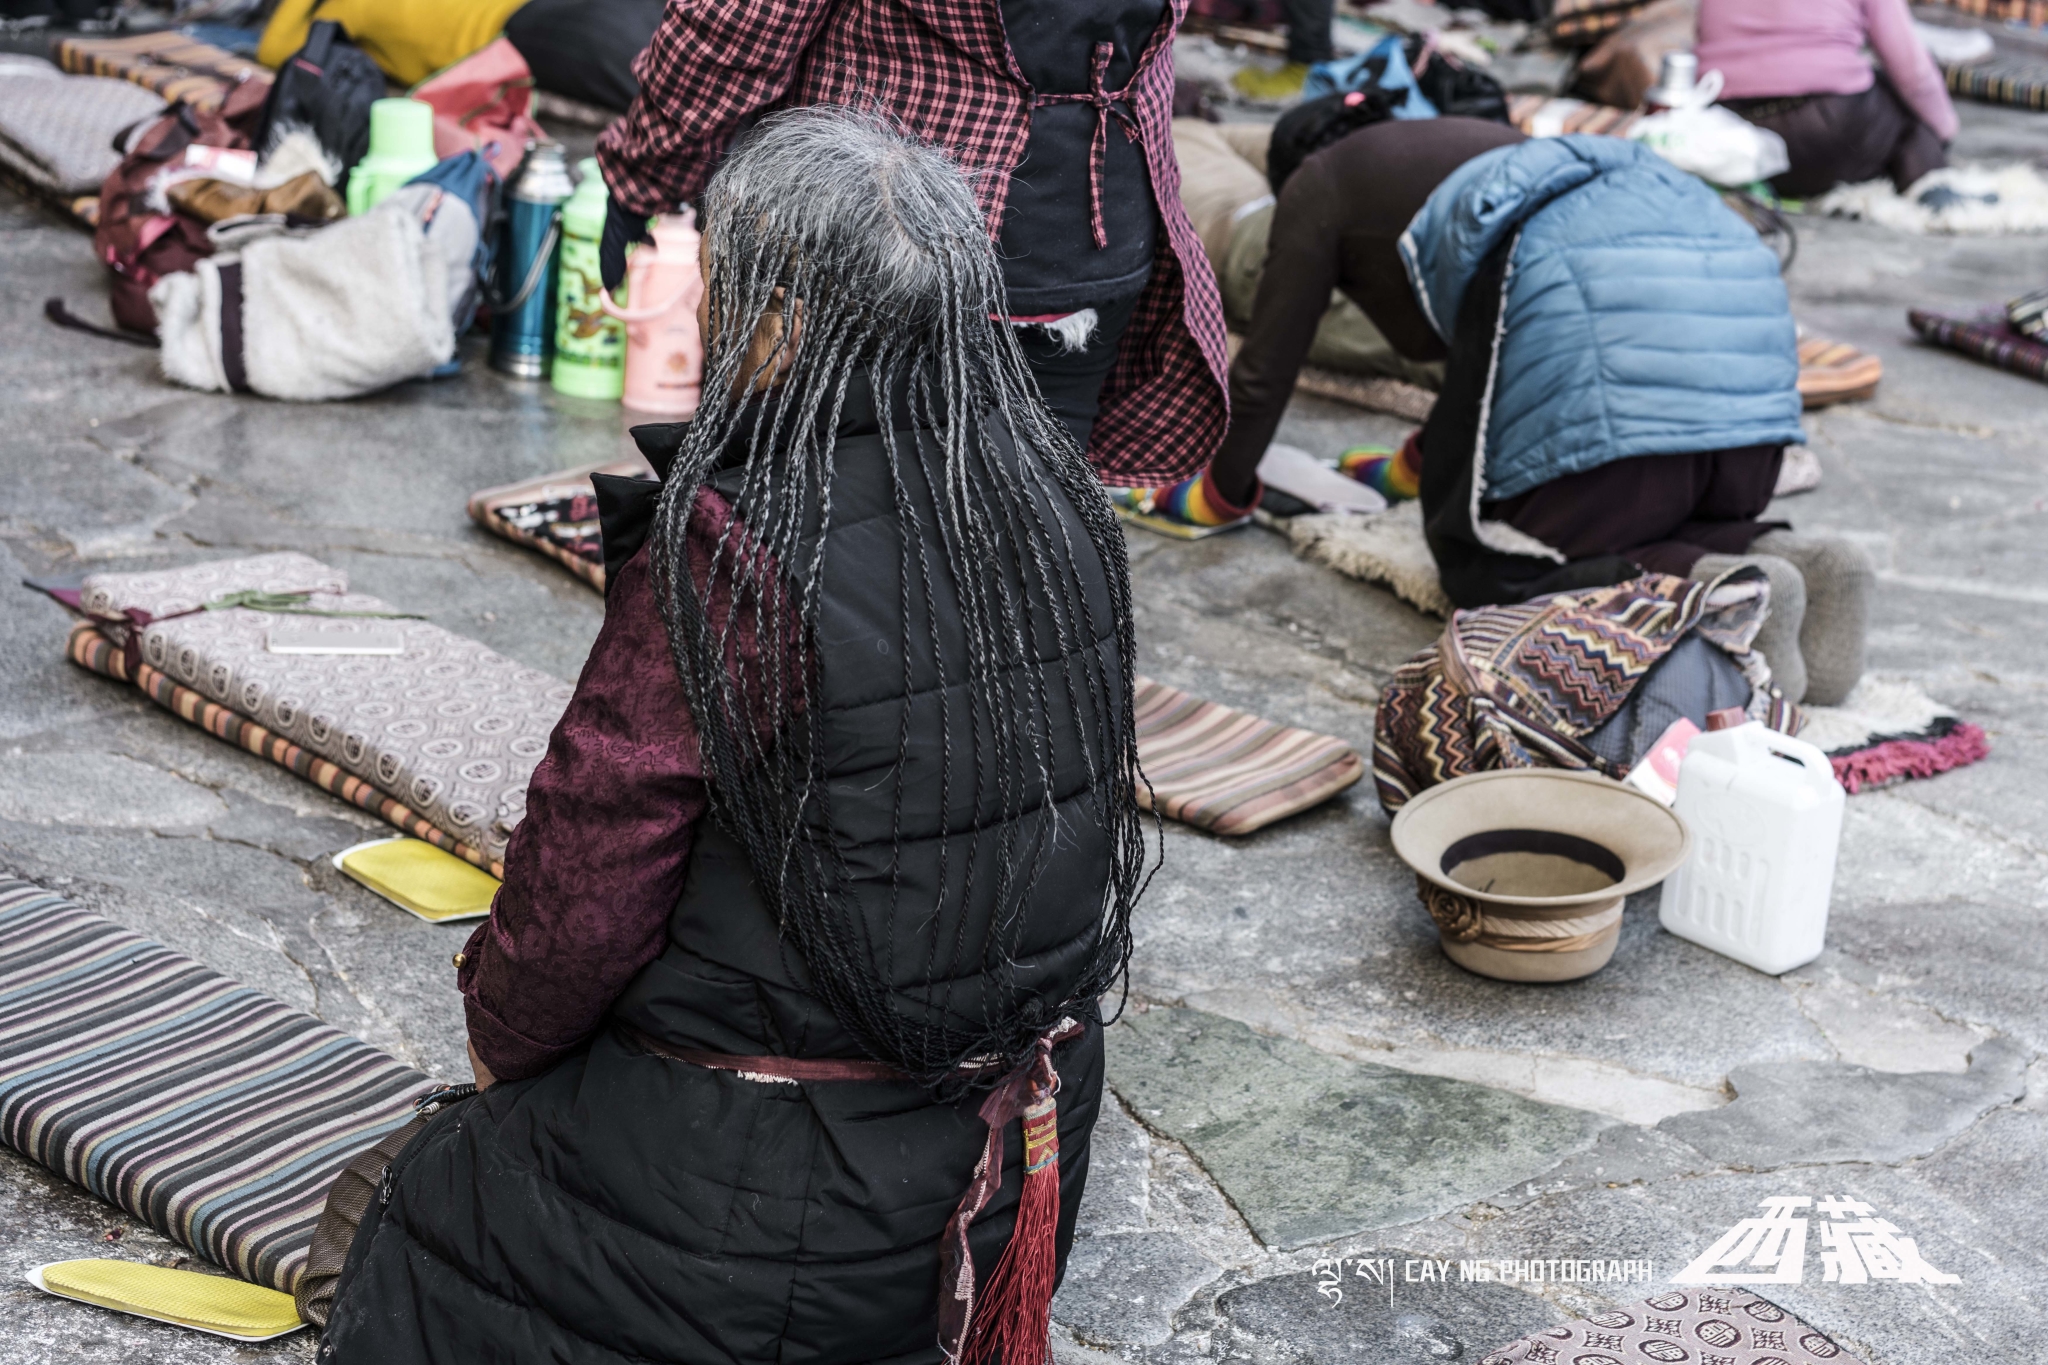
x=872, y=246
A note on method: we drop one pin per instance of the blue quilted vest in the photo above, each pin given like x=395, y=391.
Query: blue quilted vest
x=1641, y=316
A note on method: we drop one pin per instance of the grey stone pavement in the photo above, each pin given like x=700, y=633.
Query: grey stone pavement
x=1300, y=1076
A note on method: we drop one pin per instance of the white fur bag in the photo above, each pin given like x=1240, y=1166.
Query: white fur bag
x=331, y=313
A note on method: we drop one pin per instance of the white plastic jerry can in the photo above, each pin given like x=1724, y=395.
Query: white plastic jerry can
x=1766, y=819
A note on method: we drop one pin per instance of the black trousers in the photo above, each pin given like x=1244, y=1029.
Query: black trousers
x=1845, y=139
x=1072, y=380
x=1660, y=511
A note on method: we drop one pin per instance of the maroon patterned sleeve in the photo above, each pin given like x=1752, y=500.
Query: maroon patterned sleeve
x=709, y=65
x=594, y=869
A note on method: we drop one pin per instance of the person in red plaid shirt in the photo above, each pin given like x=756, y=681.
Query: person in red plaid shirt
x=1061, y=109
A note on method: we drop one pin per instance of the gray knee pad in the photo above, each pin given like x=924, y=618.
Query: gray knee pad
x=1840, y=580
x=1779, y=640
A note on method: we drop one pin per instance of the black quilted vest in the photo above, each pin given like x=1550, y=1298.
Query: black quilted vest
x=727, y=981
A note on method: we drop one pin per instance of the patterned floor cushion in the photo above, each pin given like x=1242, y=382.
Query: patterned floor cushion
x=1580, y=22
x=2032, y=12
x=208, y=1110
x=2011, y=78
x=451, y=729
x=1210, y=766
x=1554, y=116
x=1694, y=1326
x=1835, y=372
x=93, y=651
x=174, y=65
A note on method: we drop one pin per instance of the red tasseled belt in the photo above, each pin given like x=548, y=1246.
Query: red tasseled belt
x=1011, y=1323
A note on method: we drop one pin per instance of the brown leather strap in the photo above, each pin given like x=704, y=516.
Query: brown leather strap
x=779, y=1068
x=232, y=363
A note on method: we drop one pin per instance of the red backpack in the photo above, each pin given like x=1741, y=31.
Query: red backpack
x=141, y=245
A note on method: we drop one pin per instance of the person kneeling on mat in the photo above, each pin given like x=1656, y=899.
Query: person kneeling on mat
x=1621, y=386
x=1336, y=225
x=814, y=1078
x=1621, y=375
x=1800, y=71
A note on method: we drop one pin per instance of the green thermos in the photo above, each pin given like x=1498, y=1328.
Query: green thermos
x=590, y=346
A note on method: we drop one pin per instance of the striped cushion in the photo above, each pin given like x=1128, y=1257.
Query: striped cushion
x=1989, y=338
x=2034, y=12
x=1226, y=770
x=1583, y=21
x=1554, y=116
x=208, y=1110
x=1835, y=372
x=555, y=514
x=2007, y=78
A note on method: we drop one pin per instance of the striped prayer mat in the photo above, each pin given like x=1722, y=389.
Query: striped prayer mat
x=208, y=1110
x=2032, y=12
x=174, y=65
x=1581, y=23
x=92, y=651
x=1835, y=372
x=555, y=514
x=1989, y=338
x=1554, y=116
x=1733, y=1325
x=1227, y=771
x=2016, y=79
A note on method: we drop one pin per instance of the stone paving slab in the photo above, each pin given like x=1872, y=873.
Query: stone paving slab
x=1806, y=1113
x=1311, y=1148
x=1291, y=1319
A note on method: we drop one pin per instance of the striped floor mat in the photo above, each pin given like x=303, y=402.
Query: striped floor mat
x=1987, y=337
x=554, y=514
x=1227, y=771
x=208, y=1110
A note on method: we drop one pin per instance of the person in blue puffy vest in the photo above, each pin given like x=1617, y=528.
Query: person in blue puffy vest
x=1621, y=372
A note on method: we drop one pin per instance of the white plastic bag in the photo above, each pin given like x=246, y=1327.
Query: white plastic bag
x=1714, y=143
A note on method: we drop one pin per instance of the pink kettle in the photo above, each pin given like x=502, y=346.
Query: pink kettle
x=664, y=353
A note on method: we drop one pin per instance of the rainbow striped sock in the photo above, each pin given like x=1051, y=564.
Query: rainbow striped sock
x=1395, y=474
x=1192, y=501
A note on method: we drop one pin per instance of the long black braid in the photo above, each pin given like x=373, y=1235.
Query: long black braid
x=870, y=247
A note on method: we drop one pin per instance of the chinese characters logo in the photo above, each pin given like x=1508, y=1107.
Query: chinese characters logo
x=1855, y=1248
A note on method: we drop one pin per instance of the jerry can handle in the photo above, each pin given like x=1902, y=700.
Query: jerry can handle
x=1795, y=751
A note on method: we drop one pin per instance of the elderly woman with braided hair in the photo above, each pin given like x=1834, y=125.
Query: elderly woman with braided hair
x=812, y=1078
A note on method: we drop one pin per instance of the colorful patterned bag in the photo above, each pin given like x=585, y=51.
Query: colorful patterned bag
x=1523, y=686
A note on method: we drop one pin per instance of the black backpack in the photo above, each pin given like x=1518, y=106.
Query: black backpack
x=1458, y=90
x=1314, y=124
x=327, y=86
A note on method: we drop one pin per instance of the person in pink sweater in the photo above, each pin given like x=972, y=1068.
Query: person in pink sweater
x=1799, y=70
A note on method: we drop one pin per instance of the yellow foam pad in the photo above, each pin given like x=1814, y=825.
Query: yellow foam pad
x=208, y=1303
x=413, y=874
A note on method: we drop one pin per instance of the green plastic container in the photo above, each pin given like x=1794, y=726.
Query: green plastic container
x=401, y=146
x=590, y=345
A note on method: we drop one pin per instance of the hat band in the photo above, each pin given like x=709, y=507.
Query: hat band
x=1461, y=920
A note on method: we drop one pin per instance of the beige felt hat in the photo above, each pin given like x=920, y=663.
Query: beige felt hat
x=1524, y=870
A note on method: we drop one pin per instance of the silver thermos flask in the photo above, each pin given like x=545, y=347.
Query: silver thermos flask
x=523, y=285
